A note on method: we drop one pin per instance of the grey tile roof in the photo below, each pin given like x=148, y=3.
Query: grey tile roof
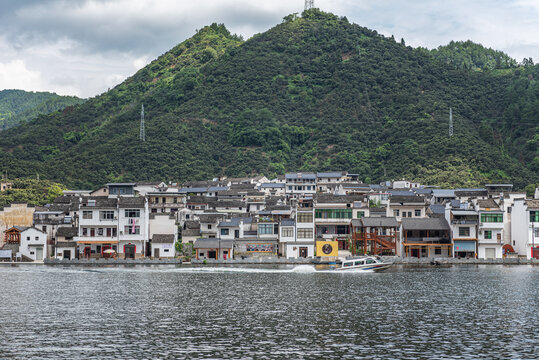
x=488, y=203
x=444, y=193
x=532, y=204
x=67, y=232
x=213, y=244
x=131, y=202
x=437, y=209
x=329, y=174
x=300, y=176
x=288, y=222
x=424, y=224
x=416, y=199
x=375, y=222
x=336, y=199
x=69, y=244
x=163, y=238
x=272, y=185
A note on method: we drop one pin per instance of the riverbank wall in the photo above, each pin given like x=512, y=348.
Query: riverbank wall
x=284, y=261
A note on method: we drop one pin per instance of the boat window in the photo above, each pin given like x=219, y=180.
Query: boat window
x=370, y=261
x=347, y=264
x=359, y=263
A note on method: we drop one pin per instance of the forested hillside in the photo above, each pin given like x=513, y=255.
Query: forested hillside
x=313, y=93
x=19, y=106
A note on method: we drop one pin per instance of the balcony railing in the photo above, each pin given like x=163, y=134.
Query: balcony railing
x=464, y=222
x=430, y=239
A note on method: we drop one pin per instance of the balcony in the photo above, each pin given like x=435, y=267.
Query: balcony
x=464, y=222
x=328, y=221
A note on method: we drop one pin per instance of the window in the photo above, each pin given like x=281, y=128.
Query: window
x=265, y=229
x=130, y=231
x=87, y=214
x=417, y=212
x=360, y=214
x=534, y=216
x=132, y=213
x=44, y=228
x=305, y=233
x=395, y=212
x=225, y=231
x=371, y=261
x=209, y=226
x=404, y=214
x=360, y=262
x=488, y=234
x=409, y=214
x=492, y=218
x=536, y=230
x=100, y=231
x=106, y=215
x=37, y=238
x=304, y=217
x=166, y=250
x=287, y=232
x=333, y=213
x=84, y=231
x=437, y=251
x=464, y=231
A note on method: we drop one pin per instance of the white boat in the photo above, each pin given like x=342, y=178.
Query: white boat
x=364, y=263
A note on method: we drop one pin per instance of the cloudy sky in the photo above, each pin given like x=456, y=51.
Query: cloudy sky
x=83, y=47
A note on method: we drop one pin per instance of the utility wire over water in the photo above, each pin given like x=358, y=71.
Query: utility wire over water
x=283, y=312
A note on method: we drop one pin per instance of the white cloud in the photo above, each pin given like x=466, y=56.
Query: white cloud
x=15, y=75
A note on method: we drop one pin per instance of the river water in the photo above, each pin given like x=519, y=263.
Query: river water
x=143, y=312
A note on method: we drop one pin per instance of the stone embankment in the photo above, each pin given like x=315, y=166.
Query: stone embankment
x=282, y=261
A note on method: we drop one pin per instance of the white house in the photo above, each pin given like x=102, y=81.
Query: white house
x=491, y=228
x=133, y=225
x=33, y=244
x=525, y=227
x=300, y=184
x=163, y=246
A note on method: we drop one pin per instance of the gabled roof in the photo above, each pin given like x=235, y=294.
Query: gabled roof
x=163, y=238
x=67, y=232
x=272, y=185
x=131, y=202
x=532, y=204
x=416, y=199
x=375, y=222
x=444, y=193
x=329, y=174
x=424, y=224
x=488, y=204
x=300, y=176
x=213, y=244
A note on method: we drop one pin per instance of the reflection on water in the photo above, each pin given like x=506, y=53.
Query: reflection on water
x=271, y=313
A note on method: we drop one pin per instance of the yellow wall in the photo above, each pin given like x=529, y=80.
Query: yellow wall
x=334, y=248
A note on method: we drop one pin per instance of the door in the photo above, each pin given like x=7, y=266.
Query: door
x=39, y=253
x=156, y=252
x=212, y=254
x=303, y=252
x=415, y=253
x=129, y=251
x=490, y=253
x=67, y=254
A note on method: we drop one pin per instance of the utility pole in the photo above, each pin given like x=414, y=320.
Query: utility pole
x=309, y=4
x=142, y=130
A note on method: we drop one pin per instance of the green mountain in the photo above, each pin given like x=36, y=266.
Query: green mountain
x=19, y=106
x=313, y=93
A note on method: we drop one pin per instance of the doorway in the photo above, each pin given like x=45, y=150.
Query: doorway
x=67, y=254
x=212, y=254
x=156, y=253
x=303, y=252
x=130, y=251
x=39, y=253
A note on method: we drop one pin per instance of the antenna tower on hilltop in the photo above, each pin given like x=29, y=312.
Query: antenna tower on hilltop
x=142, y=131
x=309, y=4
x=450, y=122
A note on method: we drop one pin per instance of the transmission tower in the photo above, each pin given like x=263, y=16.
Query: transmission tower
x=309, y=4
x=450, y=122
x=142, y=131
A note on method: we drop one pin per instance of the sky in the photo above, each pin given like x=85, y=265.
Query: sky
x=84, y=47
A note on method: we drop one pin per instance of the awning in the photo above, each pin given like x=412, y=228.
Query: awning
x=467, y=246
